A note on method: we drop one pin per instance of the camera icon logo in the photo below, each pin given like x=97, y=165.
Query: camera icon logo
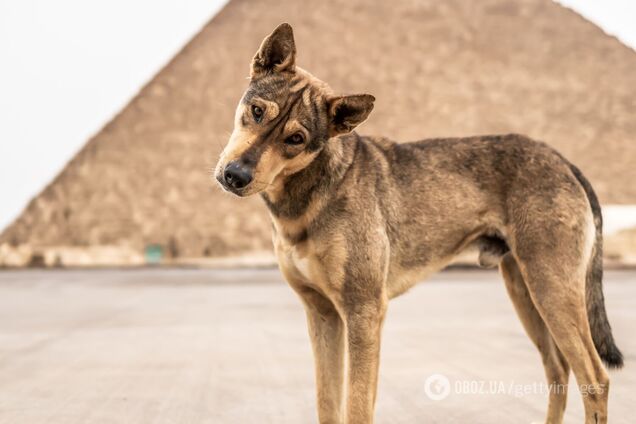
x=437, y=387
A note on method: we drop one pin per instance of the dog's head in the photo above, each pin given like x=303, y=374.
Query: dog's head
x=283, y=120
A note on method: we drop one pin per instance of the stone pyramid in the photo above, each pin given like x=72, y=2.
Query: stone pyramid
x=446, y=68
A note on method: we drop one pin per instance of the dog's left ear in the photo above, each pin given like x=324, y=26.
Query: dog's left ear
x=277, y=52
x=347, y=112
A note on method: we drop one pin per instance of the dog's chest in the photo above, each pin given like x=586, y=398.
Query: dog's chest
x=302, y=265
x=297, y=262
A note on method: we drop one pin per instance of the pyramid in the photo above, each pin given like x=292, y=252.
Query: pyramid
x=449, y=68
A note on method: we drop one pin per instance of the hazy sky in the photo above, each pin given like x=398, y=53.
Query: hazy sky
x=67, y=66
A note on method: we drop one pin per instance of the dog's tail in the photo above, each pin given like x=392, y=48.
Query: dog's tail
x=596, y=314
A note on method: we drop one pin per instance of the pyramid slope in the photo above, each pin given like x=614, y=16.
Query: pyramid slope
x=436, y=68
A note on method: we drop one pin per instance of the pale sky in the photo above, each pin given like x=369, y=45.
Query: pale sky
x=67, y=66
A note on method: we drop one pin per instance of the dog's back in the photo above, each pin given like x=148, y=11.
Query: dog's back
x=450, y=192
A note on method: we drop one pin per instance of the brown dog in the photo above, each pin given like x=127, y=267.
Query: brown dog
x=359, y=220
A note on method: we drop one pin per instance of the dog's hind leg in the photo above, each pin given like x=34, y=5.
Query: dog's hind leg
x=556, y=367
x=554, y=269
x=326, y=330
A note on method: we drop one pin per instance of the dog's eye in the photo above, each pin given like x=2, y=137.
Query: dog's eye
x=257, y=112
x=295, y=139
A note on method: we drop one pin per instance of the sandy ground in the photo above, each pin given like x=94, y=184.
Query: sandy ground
x=201, y=346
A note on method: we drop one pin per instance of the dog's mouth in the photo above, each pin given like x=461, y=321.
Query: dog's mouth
x=240, y=179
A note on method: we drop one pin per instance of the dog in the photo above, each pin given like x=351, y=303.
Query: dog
x=359, y=220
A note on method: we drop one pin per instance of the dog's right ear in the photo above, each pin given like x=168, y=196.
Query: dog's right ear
x=277, y=52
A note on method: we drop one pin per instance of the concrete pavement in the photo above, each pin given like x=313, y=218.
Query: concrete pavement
x=204, y=346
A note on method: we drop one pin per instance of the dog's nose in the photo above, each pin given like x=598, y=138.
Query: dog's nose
x=236, y=175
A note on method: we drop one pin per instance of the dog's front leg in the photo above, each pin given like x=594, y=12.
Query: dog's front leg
x=326, y=331
x=364, y=325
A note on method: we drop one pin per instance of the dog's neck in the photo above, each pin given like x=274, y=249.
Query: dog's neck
x=296, y=193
